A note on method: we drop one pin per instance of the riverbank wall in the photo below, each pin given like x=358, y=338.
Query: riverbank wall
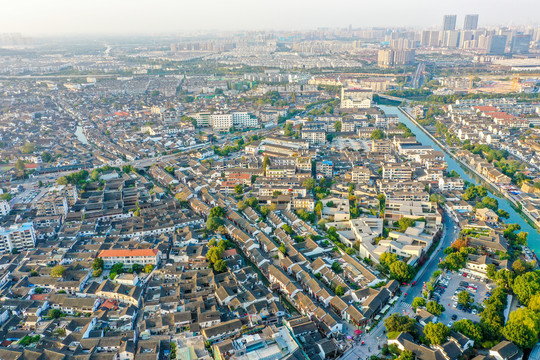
x=493, y=186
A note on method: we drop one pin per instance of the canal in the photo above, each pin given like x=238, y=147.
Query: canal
x=467, y=175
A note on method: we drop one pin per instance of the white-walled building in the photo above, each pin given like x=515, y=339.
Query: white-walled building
x=17, y=237
x=4, y=208
x=129, y=257
x=221, y=121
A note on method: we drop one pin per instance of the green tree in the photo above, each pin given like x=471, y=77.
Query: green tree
x=526, y=286
x=337, y=126
x=214, y=254
x=28, y=148
x=339, y=290
x=405, y=223
x=128, y=168
x=266, y=162
x=520, y=267
x=58, y=271
x=97, y=273
x=488, y=202
x=98, y=263
x=54, y=313
x=438, y=198
x=309, y=183
x=464, y=298
x=435, y=308
x=217, y=212
x=534, y=303
x=19, y=165
x=136, y=268
x=241, y=205
x=522, y=336
x=418, y=302
x=406, y=355
x=388, y=258
x=399, y=323
x=287, y=228
x=319, y=208
x=377, y=134
x=214, y=223
x=436, y=333
x=288, y=130
x=283, y=249
x=401, y=271
x=148, y=268
x=336, y=267
x=239, y=189
x=469, y=329
x=491, y=271
x=118, y=268
x=220, y=266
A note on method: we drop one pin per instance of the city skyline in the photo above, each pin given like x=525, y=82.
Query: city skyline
x=61, y=17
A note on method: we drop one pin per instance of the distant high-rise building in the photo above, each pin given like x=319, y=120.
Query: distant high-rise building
x=471, y=22
x=451, y=39
x=496, y=44
x=465, y=36
x=520, y=44
x=385, y=58
x=424, y=38
x=434, y=38
x=404, y=56
x=449, y=22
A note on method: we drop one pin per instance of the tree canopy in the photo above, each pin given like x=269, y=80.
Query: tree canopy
x=399, y=323
x=436, y=333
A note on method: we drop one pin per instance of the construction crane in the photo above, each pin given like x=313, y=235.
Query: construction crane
x=515, y=83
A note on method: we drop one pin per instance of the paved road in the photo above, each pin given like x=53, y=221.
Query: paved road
x=451, y=232
x=376, y=337
x=416, y=80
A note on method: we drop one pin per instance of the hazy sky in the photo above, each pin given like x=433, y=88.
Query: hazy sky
x=33, y=17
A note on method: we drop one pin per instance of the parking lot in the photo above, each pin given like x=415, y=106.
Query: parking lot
x=450, y=285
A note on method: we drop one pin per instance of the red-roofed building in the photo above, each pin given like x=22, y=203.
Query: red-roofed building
x=121, y=113
x=485, y=108
x=240, y=178
x=110, y=304
x=507, y=120
x=229, y=253
x=128, y=257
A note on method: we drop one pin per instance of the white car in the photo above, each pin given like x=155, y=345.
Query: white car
x=450, y=324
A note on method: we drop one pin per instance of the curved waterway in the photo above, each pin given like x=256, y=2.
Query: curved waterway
x=467, y=175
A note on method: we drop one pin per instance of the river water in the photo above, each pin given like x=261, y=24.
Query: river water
x=467, y=175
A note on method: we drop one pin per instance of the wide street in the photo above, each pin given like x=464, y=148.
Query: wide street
x=376, y=337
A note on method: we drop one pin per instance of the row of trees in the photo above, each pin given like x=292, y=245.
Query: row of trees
x=215, y=255
x=118, y=269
